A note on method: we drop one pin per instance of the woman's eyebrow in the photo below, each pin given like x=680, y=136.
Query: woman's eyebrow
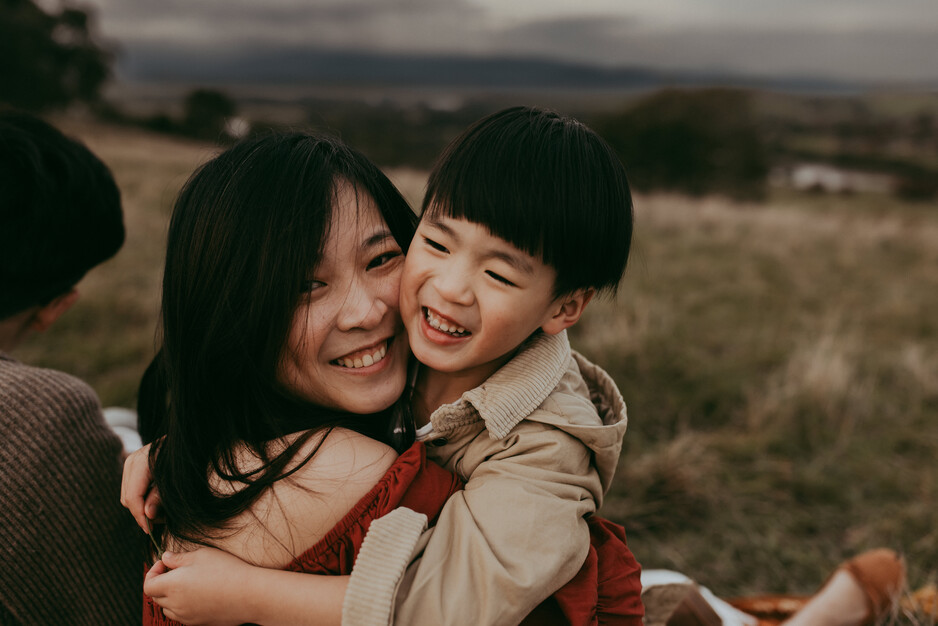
x=377, y=239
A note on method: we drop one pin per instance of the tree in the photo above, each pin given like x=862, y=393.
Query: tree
x=696, y=142
x=206, y=114
x=48, y=60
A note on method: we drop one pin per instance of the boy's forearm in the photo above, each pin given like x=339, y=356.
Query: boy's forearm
x=485, y=557
x=292, y=598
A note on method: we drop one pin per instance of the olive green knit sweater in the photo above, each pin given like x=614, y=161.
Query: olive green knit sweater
x=69, y=553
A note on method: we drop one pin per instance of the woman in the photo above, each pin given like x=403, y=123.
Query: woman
x=282, y=354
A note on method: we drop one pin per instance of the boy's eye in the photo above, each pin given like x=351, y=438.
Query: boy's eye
x=500, y=278
x=381, y=259
x=435, y=245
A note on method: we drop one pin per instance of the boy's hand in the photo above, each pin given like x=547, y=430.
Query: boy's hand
x=136, y=493
x=206, y=586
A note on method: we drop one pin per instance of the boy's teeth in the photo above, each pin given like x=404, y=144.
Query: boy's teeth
x=439, y=324
x=364, y=360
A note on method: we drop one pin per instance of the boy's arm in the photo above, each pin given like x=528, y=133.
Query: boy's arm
x=515, y=535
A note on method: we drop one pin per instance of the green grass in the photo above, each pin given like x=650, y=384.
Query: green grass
x=780, y=363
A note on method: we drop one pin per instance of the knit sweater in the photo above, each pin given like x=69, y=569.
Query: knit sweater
x=69, y=553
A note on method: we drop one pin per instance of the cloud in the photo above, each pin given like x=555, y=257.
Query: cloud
x=340, y=23
x=860, y=52
x=851, y=39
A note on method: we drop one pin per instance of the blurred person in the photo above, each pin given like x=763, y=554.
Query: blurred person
x=67, y=551
x=862, y=591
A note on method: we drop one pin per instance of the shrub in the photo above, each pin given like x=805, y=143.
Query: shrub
x=695, y=142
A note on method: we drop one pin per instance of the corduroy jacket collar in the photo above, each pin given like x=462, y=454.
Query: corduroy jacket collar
x=514, y=391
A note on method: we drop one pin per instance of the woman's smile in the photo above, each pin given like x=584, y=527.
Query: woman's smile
x=348, y=348
x=365, y=357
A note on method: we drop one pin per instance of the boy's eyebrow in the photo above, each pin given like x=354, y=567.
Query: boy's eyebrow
x=440, y=226
x=513, y=260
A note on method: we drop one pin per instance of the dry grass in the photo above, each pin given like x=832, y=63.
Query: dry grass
x=796, y=343
x=780, y=362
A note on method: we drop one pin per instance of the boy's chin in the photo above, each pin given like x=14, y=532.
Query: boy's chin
x=435, y=359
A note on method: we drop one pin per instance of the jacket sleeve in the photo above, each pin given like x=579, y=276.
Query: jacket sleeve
x=515, y=535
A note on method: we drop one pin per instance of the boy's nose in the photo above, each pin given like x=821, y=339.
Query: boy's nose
x=453, y=286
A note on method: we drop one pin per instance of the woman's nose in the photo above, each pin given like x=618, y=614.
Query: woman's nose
x=363, y=308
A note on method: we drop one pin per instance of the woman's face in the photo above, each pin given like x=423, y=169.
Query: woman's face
x=347, y=348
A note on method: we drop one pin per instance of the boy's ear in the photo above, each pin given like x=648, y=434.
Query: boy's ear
x=46, y=315
x=569, y=309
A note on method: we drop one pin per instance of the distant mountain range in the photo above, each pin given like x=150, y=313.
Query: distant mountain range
x=351, y=68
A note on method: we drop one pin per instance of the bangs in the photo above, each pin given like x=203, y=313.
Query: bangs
x=498, y=182
x=547, y=185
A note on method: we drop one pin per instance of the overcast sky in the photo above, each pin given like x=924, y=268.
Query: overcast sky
x=847, y=39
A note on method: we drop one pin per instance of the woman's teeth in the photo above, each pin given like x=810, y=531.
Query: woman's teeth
x=439, y=324
x=364, y=360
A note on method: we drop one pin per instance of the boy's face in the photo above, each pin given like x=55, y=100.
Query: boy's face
x=468, y=298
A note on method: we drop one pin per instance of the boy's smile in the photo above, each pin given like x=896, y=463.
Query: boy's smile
x=446, y=328
x=469, y=299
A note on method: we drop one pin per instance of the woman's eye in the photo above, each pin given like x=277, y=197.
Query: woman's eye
x=500, y=278
x=381, y=259
x=435, y=245
x=312, y=285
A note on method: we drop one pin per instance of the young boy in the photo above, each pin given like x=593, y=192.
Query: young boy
x=527, y=215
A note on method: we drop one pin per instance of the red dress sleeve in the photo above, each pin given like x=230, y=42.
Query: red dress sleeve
x=412, y=481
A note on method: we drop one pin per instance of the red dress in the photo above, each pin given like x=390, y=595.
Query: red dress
x=607, y=585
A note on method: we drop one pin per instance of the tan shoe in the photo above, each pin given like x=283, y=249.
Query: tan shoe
x=877, y=576
x=881, y=575
x=770, y=609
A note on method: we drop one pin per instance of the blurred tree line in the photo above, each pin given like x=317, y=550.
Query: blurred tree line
x=206, y=115
x=852, y=133
x=694, y=141
x=49, y=60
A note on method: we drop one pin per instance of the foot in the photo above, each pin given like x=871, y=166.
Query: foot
x=861, y=592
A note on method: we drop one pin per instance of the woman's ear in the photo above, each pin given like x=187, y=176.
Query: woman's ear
x=568, y=310
x=46, y=315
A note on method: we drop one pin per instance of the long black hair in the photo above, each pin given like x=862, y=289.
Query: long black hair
x=246, y=231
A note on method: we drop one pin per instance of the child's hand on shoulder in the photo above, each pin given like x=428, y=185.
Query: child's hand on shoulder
x=205, y=586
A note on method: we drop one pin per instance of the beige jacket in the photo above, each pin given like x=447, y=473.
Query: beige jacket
x=537, y=445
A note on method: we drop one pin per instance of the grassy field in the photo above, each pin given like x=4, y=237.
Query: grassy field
x=780, y=362
x=781, y=368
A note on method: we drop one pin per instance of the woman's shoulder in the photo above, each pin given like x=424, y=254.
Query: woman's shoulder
x=296, y=512
x=342, y=456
